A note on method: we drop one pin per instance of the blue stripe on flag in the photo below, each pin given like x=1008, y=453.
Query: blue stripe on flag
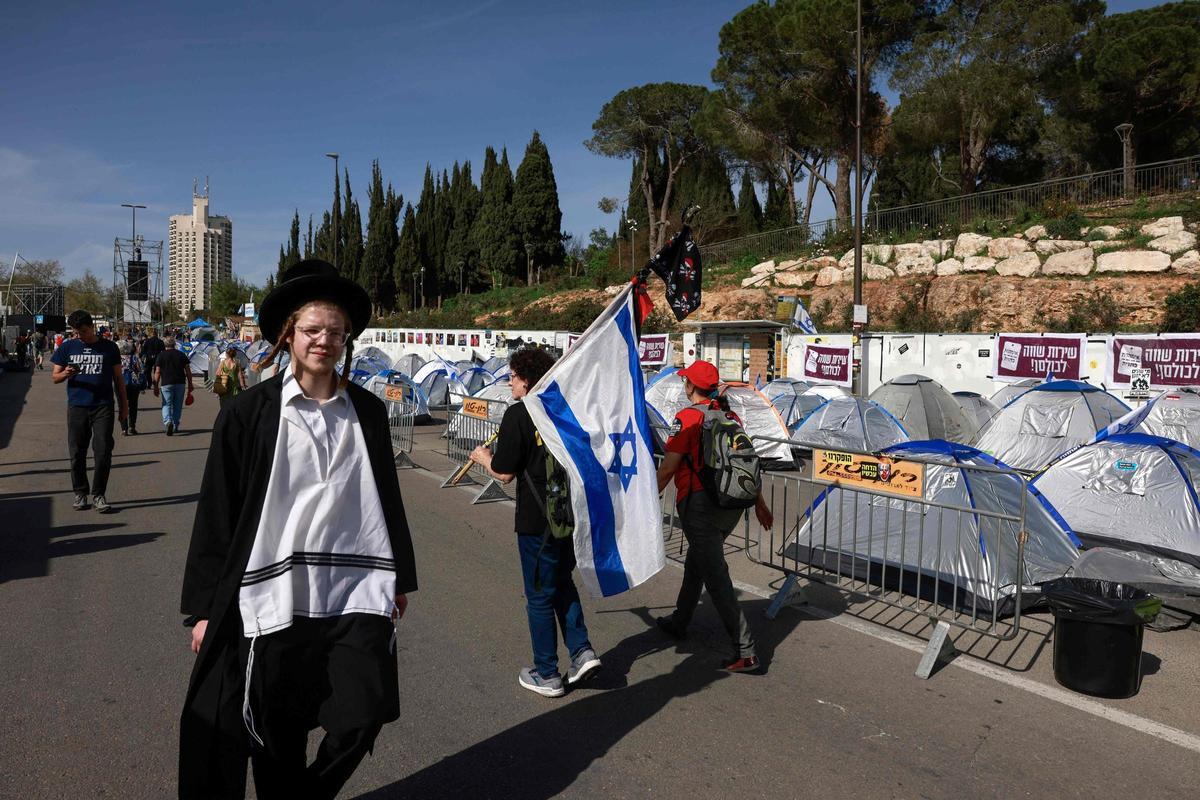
x=610, y=572
x=625, y=325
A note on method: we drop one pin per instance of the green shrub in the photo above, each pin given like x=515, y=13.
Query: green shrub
x=1183, y=310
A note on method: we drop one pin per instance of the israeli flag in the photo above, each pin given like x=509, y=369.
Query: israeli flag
x=802, y=320
x=591, y=413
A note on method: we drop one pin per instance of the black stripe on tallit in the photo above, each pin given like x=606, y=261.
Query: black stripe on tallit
x=317, y=560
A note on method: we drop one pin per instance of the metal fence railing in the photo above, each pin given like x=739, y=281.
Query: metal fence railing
x=1096, y=188
x=476, y=423
x=402, y=413
x=889, y=532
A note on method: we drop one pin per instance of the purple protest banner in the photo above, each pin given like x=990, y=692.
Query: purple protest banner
x=827, y=364
x=1172, y=358
x=1018, y=356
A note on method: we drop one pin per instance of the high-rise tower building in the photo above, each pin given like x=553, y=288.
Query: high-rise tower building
x=201, y=253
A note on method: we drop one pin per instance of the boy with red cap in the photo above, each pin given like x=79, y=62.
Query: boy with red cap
x=705, y=524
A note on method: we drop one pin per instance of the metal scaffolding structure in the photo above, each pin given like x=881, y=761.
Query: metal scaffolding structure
x=35, y=300
x=146, y=311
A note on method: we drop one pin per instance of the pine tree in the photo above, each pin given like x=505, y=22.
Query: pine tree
x=750, y=213
x=536, y=213
x=406, y=266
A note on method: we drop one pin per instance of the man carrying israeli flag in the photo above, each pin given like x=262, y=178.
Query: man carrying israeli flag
x=590, y=411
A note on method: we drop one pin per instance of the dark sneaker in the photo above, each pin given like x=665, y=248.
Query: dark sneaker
x=743, y=664
x=101, y=504
x=133, y=432
x=585, y=663
x=668, y=626
x=81, y=503
x=170, y=429
x=546, y=687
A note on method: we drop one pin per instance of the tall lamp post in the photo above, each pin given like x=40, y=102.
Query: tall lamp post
x=461, y=264
x=633, y=225
x=528, y=264
x=860, y=322
x=422, y=286
x=336, y=214
x=1124, y=131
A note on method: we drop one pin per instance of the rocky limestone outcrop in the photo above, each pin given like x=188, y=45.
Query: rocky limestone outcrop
x=875, y=253
x=978, y=263
x=795, y=279
x=1133, y=261
x=950, y=266
x=1024, y=265
x=829, y=276
x=765, y=268
x=1109, y=232
x=1163, y=226
x=1176, y=242
x=1072, y=262
x=874, y=272
x=1007, y=247
x=820, y=262
x=920, y=264
x=1036, y=232
x=1188, y=263
x=969, y=244
x=1047, y=247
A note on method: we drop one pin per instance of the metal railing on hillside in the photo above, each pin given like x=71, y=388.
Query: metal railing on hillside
x=1095, y=188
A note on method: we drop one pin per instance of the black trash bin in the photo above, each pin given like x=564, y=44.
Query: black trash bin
x=1098, y=634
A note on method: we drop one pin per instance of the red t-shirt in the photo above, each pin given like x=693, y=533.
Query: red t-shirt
x=685, y=439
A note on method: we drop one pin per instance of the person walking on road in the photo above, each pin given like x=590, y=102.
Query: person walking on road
x=171, y=371
x=91, y=367
x=705, y=524
x=135, y=382
x=230, y=379
x=300, y=563
x=551, y=598
x=150, y=349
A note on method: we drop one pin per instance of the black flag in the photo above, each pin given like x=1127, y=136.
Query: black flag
x=678, y=264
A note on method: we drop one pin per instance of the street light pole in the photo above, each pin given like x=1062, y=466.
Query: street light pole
x=528, y=264
x=1124, y=131
x=422, y=286
x=461, y=264
x=632, y=223
x=860, y=325
x=336, y=213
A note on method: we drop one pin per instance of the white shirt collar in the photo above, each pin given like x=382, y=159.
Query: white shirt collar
x=291, y=390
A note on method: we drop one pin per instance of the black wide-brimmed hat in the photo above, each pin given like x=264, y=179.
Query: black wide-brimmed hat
x=312, y=279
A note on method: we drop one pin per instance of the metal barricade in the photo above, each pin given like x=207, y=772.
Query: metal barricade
x=474, y=424
x=872, y=526
x=401, y=411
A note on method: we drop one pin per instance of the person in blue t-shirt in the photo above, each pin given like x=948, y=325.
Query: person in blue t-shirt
x=91, y=366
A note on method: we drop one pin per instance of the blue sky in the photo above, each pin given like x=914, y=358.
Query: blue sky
x=107, y=103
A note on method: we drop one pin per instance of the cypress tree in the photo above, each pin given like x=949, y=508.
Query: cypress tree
x=380, y=250
x=536, y=212
x=336, y=215
x=493, y=233
x=351, y=247
x=308, y=240
x=778, y=212
x=424, y=227
x=406, y=266
x=460, y=248
x=750, y=213
x=323, y=242
x=704, y=181
x=293, y=251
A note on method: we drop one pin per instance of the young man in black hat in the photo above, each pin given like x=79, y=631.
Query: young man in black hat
x=299, y=565
x=91, y=366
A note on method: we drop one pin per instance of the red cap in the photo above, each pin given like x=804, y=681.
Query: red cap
x=703, y=375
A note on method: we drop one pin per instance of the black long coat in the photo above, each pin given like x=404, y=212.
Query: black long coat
x=213, y=744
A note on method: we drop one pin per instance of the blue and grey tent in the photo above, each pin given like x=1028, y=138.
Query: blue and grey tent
x=960, y=542
x=1130, y=491
x=1011, y=391
x=1173, y=414
x=494, y=363
x=849, y=423
x=1047, y=420
x=408, y=364
x=795, y=399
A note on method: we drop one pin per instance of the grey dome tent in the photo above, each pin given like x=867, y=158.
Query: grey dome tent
x=665, y=399
x=925, y=409
x=1046, y=421
x=969, y=559
x=1009, y=392
x=1173, y=414
x=1130, y=491
x=408, y=364
x=412, y=391
x=977, y=407
x=494, y=363
x=849, y=423
x=375, y=354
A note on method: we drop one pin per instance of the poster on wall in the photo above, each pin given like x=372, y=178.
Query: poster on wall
x=828, y=364
x=1173, y=359
x=654, y=349
x=441, y=338
x=474, y=340
x=462, y=340
x=420, y=338
x=409, y=337
x=1018, y=356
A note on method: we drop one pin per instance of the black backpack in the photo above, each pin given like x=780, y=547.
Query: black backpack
x=729, y=468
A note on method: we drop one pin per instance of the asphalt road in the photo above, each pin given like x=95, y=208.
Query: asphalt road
x=94, y=662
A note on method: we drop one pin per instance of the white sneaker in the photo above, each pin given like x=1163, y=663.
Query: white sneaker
x=546, y=687
x=585, y=663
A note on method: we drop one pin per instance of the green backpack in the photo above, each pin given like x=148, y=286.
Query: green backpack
x=556, y=505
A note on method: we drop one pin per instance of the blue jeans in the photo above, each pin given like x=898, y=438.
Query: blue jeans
x=172, y=403
x=556, y=602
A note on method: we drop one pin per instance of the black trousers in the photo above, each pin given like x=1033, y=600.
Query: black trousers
x=93, y=423
x=132, y=395
x=337, y=673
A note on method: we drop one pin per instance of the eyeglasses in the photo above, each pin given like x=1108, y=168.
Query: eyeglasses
x=313, y=334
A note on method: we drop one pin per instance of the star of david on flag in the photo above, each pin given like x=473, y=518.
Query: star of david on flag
x=591, y=413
